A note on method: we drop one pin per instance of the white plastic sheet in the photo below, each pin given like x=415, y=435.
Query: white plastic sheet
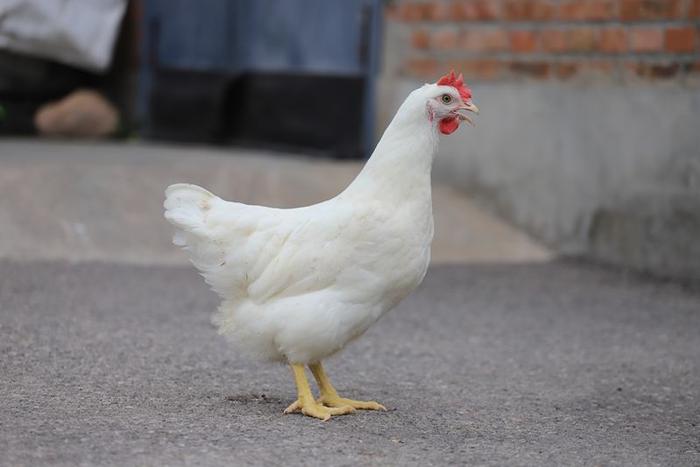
x=75, y=32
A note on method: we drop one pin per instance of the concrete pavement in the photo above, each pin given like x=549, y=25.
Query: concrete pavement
x=530, y=364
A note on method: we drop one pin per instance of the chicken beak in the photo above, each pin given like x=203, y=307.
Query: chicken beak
x=469, y=106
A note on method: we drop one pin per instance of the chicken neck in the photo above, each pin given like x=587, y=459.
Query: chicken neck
x=400, y=166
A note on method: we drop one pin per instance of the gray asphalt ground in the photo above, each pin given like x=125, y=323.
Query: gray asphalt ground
x=549, y=364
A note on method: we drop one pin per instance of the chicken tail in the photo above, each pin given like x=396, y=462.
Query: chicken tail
x=186, y=207
x=192, y=209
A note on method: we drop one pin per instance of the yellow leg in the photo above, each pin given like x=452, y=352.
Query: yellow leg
x=306, y=403
x=329, y=396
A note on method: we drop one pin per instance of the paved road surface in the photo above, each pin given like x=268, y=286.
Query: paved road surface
x=549, y=364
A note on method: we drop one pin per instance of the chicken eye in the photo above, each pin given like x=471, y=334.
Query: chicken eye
x=446, y=98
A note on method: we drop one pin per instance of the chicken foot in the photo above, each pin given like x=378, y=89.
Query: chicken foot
x=306, y=403
x=329, y=396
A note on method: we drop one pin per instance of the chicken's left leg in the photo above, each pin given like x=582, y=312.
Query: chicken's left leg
x=329, y=396
x=305, y=402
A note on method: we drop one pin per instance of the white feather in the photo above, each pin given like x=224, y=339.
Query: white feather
x=298, y=284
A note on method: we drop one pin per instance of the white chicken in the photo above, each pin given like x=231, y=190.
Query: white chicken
x=297, y=285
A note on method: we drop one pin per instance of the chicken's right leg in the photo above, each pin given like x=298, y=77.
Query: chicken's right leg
x=329, y=396
x=306, y=403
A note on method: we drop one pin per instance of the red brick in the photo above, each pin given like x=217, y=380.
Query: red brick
x=665, y=70
x=531, y=69
x=420, y=39
x=529, y=10
x=437, y=11
x=581, y=39
x=408, y=12
x=578, y=39
x=480, y=69
x=463, y=11
x=694, y=9
x=632, y=69
x=572, y=10
x=576, y=10
x=646, y=40
x=613, y=40
x=586, y=67
x=681, y=39
x=653, y=71
x=485, y=40
x=566, y=70
x=631, y=10
x=421, y=67
x=601, y=10
x=600, y=66
x=523, y=41
x=553, y=40
x=412, y=11
x=488, y=9
x=475, y=10
x=444, y=39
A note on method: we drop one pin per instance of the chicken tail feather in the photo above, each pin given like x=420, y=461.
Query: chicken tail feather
x=186, y=207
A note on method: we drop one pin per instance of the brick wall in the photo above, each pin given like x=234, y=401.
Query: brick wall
x=618, y=40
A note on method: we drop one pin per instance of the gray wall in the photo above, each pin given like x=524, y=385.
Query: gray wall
x=605, y=171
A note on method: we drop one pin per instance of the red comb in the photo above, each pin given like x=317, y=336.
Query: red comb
x=456, y=82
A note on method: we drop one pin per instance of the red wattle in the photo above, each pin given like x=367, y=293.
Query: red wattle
x=448, y=125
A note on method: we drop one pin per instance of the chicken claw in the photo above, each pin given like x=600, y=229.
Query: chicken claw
x=330, y=401
x=329, y=396
x=306, y=403
x=317, y=410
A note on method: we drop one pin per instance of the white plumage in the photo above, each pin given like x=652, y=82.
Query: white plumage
x=298, y=284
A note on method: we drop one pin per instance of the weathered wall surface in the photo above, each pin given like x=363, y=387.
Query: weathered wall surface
x=590, y=129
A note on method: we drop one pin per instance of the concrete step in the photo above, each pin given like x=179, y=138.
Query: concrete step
x=103, y=201
x=653, y=230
